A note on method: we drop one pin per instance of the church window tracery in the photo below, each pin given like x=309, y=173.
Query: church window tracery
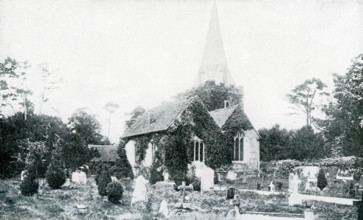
x=198, y=148
x=238, y=146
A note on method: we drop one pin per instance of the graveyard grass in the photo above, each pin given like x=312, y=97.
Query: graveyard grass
x=62, y=204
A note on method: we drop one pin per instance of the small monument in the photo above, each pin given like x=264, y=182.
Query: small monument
x=140, y=191
x=166, y=175
x=79, y=177
x=231, y=175
x=23, y=174
x=164, y=208
x=230, y=193
x=272, y=186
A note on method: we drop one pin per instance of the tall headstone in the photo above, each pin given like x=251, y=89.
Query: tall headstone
x=166, y=175
x=207, y=179
x=294, y=182
x=140, y=191
x=164, y=208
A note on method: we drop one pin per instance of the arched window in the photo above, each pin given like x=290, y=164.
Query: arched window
x=198, y=149
x=238, y=147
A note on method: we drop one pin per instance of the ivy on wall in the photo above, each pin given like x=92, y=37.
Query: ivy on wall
x=174, y=148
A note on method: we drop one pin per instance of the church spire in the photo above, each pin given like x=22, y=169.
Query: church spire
x=214, y=64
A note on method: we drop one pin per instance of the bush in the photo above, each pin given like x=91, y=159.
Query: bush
x=196, y=184
x=278, y=185
x=55, y=174
x=114, y=192
x=29, y=186
x=102, y=180
x=322, y=181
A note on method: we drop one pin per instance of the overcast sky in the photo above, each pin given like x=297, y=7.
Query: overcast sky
x=144, y=52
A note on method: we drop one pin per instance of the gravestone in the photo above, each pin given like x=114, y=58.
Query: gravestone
x=294, y=182
x=140, y=191
x=79, y=177
x=23, y=174
x=207, y=179
x=311, y=172
x=272, y=186
x=164, y=208
x=230, y=193
x=231, y=175
x=68, y=182
x=166, y=175
x=361, y=183
x=309, y=214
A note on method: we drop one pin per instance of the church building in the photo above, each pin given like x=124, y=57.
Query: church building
x=190, y=134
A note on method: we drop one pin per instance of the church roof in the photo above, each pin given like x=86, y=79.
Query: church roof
x=157, y=119
x=221, y=116
x=108, y=153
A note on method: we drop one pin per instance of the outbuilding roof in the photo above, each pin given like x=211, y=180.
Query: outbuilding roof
x=108, y=153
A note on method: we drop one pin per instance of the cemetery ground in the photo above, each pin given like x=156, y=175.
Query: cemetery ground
x=76, y=201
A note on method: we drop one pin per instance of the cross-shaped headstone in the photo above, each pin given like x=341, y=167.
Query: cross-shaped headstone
x=182, y=188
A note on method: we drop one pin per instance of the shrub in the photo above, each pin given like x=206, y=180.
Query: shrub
x=29, y=186
x=114, y=192
x=196, y=184
x=278, y=185
x=55, y=174
x=322, y=181
x=102, y=180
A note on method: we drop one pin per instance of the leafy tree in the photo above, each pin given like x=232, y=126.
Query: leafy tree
x=122, y=168
x=274, y=143
x=16, y=135
x=35, y=162
x=213, y=96
x=306, y=144
x=134, y=115
x=344, y=124
x=306, y=96
x=86, y=127
x=322, y=181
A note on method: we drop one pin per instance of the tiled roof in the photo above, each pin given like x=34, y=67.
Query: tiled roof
x=157, y=119
x=108, y=153
x=221, y=116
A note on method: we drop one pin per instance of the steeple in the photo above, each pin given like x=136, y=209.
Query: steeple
x=214, y=64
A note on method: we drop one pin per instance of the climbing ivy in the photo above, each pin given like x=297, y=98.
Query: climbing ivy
x=174, y=148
